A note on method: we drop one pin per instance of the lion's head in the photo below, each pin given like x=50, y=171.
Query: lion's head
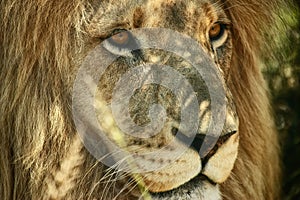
x=196, y=116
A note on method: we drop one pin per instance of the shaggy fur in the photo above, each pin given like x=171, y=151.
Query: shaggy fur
x=38, y=43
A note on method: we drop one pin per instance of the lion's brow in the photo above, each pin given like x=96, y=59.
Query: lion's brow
x=111, y=15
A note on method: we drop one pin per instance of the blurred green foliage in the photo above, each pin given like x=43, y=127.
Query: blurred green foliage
x=283, y=76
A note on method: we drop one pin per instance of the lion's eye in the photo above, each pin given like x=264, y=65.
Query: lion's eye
x=122, y=42
x=216, y=31
x=218, y=34
x=121, y=38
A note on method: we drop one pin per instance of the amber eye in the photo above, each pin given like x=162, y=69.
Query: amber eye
x=120, y=38
x=121, y=42
x=123, y=39
x=216, y=31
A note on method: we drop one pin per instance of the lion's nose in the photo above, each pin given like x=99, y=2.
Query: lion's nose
x=204, y=144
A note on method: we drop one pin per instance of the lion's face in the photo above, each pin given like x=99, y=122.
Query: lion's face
x=104, y=99
x=206, y=161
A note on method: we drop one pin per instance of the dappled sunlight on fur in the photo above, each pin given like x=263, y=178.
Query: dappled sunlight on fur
x=42, y=44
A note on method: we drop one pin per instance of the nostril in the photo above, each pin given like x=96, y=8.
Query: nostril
x=181, y=137
x=197, y=140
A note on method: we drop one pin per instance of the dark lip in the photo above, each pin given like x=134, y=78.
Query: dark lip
x=211, y=143
x=194, y=181
x=211, y=150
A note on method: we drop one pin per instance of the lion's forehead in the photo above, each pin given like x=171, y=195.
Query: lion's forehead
x=189, y=17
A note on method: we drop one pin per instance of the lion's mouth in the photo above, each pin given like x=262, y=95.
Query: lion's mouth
x=204, y=180
x=199, y=186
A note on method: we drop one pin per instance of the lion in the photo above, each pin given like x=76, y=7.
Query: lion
x=44, y=43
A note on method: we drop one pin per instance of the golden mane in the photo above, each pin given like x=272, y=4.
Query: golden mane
x=38, y=40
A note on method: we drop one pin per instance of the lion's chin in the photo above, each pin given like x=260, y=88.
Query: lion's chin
x=199, y=188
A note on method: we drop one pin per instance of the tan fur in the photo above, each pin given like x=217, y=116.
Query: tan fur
x=40, y=43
